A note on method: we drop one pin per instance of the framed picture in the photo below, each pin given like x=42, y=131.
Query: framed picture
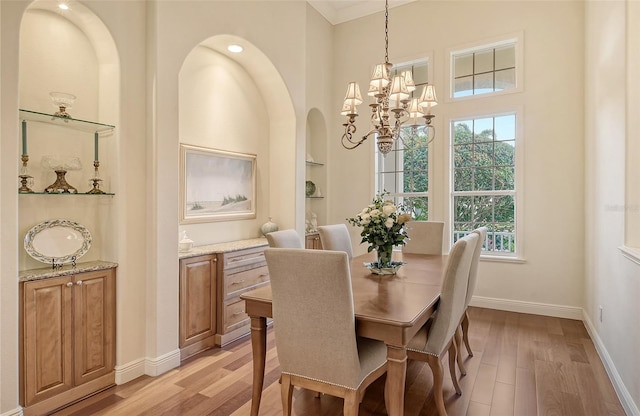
x=216, y=185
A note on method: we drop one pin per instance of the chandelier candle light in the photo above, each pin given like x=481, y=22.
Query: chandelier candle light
x=392, y=101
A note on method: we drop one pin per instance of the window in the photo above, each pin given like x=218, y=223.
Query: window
x=484, y=180
x=404, y=172
x=485, y=69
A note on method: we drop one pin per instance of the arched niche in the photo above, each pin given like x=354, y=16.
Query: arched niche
x=240, y=103
x=70, y=51
x=316, y=171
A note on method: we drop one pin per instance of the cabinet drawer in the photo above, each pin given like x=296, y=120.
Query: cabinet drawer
x=237, y=282
x=234, y=315
x=243, y=258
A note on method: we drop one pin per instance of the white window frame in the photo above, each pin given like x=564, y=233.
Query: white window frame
x=515, y=39
x=518, y=255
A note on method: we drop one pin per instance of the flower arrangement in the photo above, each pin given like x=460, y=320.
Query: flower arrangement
x=383, y=226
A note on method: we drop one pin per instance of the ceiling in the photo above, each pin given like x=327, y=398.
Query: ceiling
x=340, y=11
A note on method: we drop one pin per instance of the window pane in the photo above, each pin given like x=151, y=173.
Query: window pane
x=482, y=209
x=504, y=238
x=483, y=129
x=505, y=153
x=387, y=182
x=484, y=61
x=505, y=127
x=463, y=178
x=505, y=57
x=463, y=65
x=483, y=179
x=415, y=181
x=483, y=83
x=462, y=208
x=418, y=207
x=505, y=79
x=504, y=209
x=420, y=74
x=388, y=163
x=460, y=229
x=504, y=178
x=463, y=87
x=462, y=131
x=483, y=154
x=463, y=156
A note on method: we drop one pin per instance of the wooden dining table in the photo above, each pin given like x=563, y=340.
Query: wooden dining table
x=389, y=308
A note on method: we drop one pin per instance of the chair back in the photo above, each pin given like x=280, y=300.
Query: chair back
x=473, y=270
x=425, y=237
x=313, y=315
x=284, y=239
x=454, y=290
x=336, y=237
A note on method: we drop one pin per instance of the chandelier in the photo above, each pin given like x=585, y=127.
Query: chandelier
x=395, y=115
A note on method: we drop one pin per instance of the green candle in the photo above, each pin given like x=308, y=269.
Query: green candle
x=24, y=137
x=95, y=146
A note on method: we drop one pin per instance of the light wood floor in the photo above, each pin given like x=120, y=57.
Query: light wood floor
x=523, y=365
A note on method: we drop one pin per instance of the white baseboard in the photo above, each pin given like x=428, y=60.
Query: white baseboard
x=15, y=412
x=148, y=366
x=626, y=400
x=559, y=311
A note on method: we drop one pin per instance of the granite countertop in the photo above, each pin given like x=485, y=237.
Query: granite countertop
x=66, y=270
x=223, y=247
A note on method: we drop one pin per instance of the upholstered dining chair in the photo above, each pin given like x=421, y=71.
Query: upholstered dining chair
x=336, y=237
x=471, y=287
x=425, y=237
x=284, y=239
x=437, y=336
x=314, y=326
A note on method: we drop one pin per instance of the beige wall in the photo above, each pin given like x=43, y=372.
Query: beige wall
x=612, y=280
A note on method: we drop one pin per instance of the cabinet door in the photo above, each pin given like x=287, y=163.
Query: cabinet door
x=197, y=299
x=47, y=349
x=94, y=324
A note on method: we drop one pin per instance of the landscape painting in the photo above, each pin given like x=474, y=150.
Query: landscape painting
x=216, y=185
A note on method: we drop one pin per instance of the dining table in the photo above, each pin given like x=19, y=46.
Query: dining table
x=389, y=308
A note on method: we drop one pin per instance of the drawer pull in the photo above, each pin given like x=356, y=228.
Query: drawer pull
x=69, y=284
x=237, y=314
x=264, y=275
x=239, y=282
x=79, y=282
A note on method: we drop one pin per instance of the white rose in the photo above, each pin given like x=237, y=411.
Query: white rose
x=365, y=222
x=365, y=217
x=374, y=213
x=388, y=209
x=389, y=223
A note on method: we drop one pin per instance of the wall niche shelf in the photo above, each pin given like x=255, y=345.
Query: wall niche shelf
x=66, y=194
x=72, y=123
x=310, y=163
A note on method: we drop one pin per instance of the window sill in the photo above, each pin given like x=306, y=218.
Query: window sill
x=631, y=253
x=501, y=259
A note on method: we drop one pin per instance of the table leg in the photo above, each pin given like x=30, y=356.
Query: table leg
x=396, y=375
x=259, y=351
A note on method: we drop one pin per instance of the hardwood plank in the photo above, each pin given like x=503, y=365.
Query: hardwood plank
x=525, y=394
x=485, y=382
x=503, y=400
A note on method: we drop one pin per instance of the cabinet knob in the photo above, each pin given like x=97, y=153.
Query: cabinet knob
x=79, y=282
x=69, y=284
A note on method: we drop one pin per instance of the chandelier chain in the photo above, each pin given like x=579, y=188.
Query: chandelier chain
x=386, y=31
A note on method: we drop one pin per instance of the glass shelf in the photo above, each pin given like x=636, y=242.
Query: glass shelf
x=314, y=197
x=309, y=163
x=72, y=123
x=65, y=194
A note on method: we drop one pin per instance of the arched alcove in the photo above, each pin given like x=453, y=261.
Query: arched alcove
x=316, y=165
x=239, y=103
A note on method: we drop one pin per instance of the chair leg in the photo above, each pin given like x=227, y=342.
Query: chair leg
x=436, y=369
x=452, y=367
x=286, y=394
x=351, y=403
x=457, y=340
x=465, y=332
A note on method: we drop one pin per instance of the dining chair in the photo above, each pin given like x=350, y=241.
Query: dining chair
x=315, y=329
x=336, y=237
x=284, y=239
x=437, y=336
x=425, y=237
x=471, y=287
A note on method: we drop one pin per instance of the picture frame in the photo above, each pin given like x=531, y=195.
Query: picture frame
x=216, y=185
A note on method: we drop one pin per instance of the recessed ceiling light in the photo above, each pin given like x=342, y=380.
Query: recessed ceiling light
x=63, y=6
x=235, y=48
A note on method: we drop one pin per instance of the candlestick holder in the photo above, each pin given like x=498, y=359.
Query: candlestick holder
x=60, y=186
x=25, y=178
x=95, y=181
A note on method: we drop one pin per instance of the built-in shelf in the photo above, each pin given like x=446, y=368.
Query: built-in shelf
x=72, y=123
x=309, y=163
x=67, y=194
x=315, y=197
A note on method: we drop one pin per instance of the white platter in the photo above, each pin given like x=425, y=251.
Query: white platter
x=57, y=241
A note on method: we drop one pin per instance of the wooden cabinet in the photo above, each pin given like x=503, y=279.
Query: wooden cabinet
x=312, y=241
x=68, y=339
x=238, y=272
x=197, y=304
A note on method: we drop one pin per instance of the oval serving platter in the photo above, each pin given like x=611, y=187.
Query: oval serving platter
x=57, y=241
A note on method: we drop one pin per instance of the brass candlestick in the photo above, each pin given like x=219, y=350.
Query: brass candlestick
x=96, y=180
x=24, y=177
